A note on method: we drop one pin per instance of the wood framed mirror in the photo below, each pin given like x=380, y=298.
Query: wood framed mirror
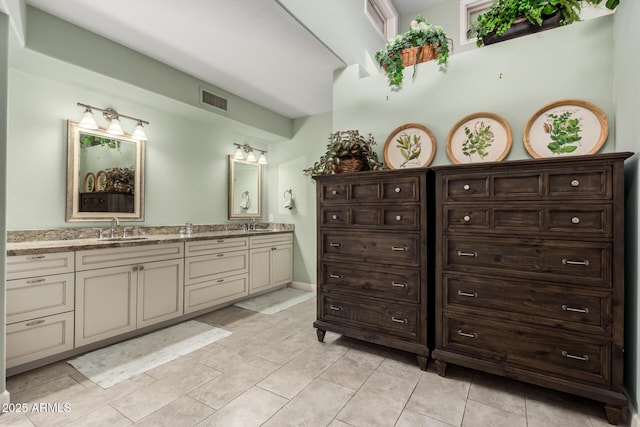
x=245, y=189
x=105, y=176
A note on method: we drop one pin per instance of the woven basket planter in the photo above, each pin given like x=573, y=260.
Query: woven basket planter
x=350, y=165
x=416, y=55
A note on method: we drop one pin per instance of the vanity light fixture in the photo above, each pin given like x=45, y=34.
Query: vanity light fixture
x=113, y=117
x=251, y=157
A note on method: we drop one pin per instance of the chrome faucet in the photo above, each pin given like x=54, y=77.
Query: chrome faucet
x=114, y=223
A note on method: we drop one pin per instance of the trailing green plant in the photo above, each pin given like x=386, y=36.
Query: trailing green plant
x=502, y=14
x=420, y=34
x=346, y=145
x=93, y=140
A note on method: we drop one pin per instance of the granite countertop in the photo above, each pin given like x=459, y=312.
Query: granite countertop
x=30, y=247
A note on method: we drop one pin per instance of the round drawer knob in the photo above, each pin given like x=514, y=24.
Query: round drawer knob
x=575, y=183
x=334, y=217
x=466, y=187
x=334, y=192
x=398, y=217
x=398, y=189
x=575, y=220
x=467, y=218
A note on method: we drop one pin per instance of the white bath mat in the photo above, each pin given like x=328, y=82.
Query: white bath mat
x=275, y=301
x=119, y=362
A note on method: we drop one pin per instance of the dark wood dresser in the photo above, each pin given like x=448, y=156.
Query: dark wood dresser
x=372, y=258
x=530, y=272
x=103, y=201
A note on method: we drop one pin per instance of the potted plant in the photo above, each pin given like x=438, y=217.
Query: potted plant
x=507, y=19
x=347, y=151
x=422, y=42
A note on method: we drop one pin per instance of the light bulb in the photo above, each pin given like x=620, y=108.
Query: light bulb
x=262, y=159
x=239, y=154
x=114, y=127
x=138, y=132
x=88, y=122
x=251, y=157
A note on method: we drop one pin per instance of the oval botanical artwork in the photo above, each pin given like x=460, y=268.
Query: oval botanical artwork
x=479, y=137
x=410, y=146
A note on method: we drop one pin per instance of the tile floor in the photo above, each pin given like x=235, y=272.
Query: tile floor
x=272, y=371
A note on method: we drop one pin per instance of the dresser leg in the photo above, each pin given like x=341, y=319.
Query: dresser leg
x=441, y=367
x=614, y=414
x=320, y=334
x=423, y=361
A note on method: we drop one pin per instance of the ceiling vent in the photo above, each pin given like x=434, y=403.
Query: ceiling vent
x=212, y=99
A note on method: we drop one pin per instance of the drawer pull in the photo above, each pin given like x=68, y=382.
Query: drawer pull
x=395, y=319
x=220, y=280
x=134, y=268
x=575, y=183
x=468, y=294
x=40, y=280
x=473, y=254
x=466, y=218
x=335, y=276
x=398, y=217
x=335, y=245
x=573, y=356
x=467, y=334
x=397, y=189
x=220, y=241
x=220, y=255
x=335, y=308
x=466, y=187
x=141, y=268
x=334, y=216
x=399, y=285
x=334, y=192
x=570, y=262
x=34, y=257
x=399, y=248
x=575, y=310
x=575, y=220
x=34, y=322
x=274, y=249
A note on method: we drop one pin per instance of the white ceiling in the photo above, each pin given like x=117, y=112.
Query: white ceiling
x=236, y=45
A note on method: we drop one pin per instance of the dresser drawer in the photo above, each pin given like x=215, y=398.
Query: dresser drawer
x=394, y=319
x=465, y=187
x=40, y=296
x=392, y=217
x=374, y=247
x=372, y=189
x=580, y=183
x=569, y=308
x=36, y=265
x=582, y=263
x=544, y=350
x=386, y=283
x=333, y=192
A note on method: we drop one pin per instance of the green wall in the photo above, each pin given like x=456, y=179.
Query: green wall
x=4, y=59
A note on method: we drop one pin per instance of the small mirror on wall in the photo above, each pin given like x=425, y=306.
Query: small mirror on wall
x=105, y=176
x=245, y=189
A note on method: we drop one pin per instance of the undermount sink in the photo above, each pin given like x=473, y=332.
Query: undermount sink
x=122, y=239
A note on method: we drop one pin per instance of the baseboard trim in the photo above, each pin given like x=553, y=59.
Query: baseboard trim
x=5, y=398
x=634, y=420
x=309, y=287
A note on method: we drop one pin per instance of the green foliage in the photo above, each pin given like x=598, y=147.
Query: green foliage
x=421, y=33
x=92, y=140
x=345, y=145
x=478, y=140
x=564, y=132
x=409, y=149
x=121, y=180
x=503, y=13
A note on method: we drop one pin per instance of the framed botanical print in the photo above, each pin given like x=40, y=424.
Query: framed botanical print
x=410, y=146
x=479, y=137
x=566, y=127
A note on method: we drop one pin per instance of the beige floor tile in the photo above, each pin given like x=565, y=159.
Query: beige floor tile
x=316, y=405
x=338, y=423
x=27, y=380
x=224, y=388
x=105, y=416
x=59, y=389
x=252, y=408
x=413, y=419
x=15, y=419
x=499, y=392
x=227, y=318
x=548, y=408
x=183, y=412
x=379, y=402
x=353, y=368
x=226, y=358
x=288, y=347
x=478, y=414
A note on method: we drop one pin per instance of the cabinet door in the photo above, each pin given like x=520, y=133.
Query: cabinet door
x=105, y=303
x=259, y=269
x=281, y=265
x=160, y=291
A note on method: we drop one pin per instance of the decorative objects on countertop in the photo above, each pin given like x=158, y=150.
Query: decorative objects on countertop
x=423, y=42
x=410, y=146
x=479, y=137
x=347, y=151
x=566, y=127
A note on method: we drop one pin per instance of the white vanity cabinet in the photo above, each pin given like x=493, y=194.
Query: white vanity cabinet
x=119, y=290
x=39, y=306
x=216, y=271
x=270, y=261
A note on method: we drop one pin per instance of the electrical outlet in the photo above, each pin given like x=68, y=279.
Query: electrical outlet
x=270, y=217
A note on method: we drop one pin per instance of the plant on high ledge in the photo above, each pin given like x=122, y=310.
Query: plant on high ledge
x=429, y=42
x=347, y=151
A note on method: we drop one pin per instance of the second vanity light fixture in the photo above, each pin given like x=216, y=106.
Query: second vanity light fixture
x=246, y=148
x=113, y=117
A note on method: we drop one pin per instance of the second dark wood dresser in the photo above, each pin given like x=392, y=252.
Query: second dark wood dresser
x=372, y=258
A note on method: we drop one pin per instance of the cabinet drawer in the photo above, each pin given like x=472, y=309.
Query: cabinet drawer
x=387, y=283
x=390, y=318
x=205, y=247
x=333, y=192
x=38, y=297
x=270, y=240
x=397, y=189
x=580, y=183
x=386, y=248
x=567, y=308
x=39, y=338
x=214, y=292
x=392, y=217
x=545, y=350
x=465, y=187
x=582, y=263
x=36, y=265
x=114, y=257
x=206, y=267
